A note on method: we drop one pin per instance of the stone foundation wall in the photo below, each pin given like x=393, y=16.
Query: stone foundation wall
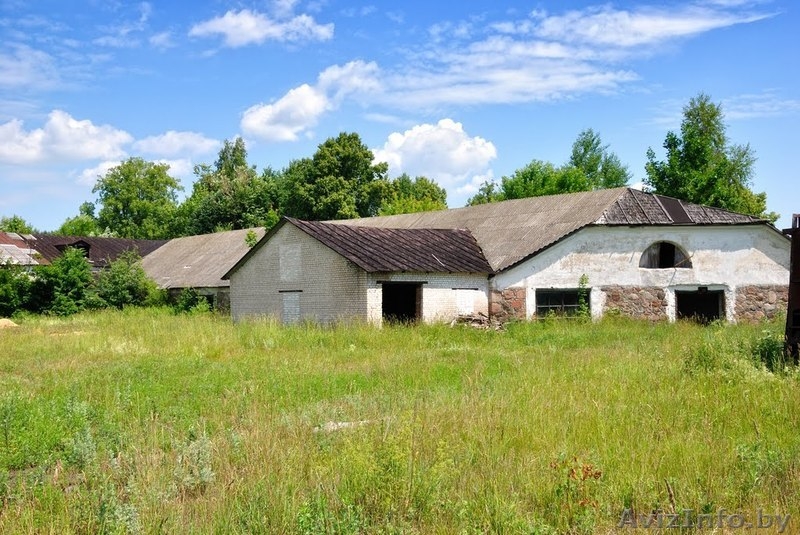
x=755, y=303
x=636, y=301
x=507, y=304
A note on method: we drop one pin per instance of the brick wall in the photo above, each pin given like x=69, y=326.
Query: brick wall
x=444, y=295
x=294, y=275
x=644, y=302
x=755, y=303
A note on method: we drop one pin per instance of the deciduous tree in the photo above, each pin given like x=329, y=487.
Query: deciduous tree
x=138, y=199
x=339, y=182
x=701, y=165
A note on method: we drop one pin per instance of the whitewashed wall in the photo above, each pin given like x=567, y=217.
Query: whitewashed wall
x=444, y=295
x=723, y=258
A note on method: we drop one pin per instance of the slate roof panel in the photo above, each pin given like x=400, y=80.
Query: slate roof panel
x=511, y=231
x=197, y=261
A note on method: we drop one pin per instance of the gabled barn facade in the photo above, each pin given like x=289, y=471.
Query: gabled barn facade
x=305, y=270
x=630, y=252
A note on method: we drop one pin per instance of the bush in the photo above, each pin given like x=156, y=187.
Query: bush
x=126, y=283
x=768, y=350
x=15, y=287
x=67, y=281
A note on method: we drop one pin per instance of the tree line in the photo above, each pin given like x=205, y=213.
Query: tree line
x=139, y=198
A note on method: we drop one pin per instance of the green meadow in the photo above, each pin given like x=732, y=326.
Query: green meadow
x=145, y=421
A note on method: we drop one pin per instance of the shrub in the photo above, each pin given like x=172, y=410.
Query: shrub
x=126, y=283
x=68, y=278
x=768, y=350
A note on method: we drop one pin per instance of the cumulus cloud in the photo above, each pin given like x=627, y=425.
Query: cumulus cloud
x=89, y=176
x=443, y=152
x=174, y=143
x=287, y=118
x=62, y=138
x=299, y=110
x=245, y=27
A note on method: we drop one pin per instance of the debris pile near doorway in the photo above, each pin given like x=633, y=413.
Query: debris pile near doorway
x=478, y=321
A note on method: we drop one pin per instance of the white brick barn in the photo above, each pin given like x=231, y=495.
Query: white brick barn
x=638, y=254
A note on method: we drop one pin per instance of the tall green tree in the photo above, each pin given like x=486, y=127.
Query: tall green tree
x=591, y=166
x=703, y=167
x=230, y=194
x=138, y=199
x=418, y=195
x=601, y=167
x=83, y=224
x=16, y=224
x=339, y=182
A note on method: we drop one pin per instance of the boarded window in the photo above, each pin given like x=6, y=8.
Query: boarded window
x=290, y=307
x=664, y=254
x=465, y=301
x=562, y=302
x=290, y=265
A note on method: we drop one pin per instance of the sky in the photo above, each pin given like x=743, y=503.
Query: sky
x=460, y=92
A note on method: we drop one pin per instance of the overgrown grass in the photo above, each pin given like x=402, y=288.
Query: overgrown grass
x=142, y=421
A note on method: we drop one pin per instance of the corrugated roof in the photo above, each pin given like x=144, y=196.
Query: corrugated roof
x=511, y=231
x=197, y=261
x=390, y=250
x=101, y=250
x=15, y=250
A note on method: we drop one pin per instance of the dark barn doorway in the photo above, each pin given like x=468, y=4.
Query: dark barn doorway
x=702, y=305
x=402, y=302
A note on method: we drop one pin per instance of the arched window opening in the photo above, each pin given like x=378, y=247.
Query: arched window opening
x=664, y=254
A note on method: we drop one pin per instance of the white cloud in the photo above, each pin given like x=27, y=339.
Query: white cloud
x=287, y=118
x=247, y=27
x=299, y=110
x=753, y=106
x=23, y=66
x=443, y=152
x=62, y=138
x=162, y=40
x=179, y=168
x=88, y=177
x=350, y=78
x=174, y=143
x=642, y=26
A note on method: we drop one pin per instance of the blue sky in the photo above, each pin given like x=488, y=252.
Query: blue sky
x=460, y=92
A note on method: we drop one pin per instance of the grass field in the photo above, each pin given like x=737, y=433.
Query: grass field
x=143, y=421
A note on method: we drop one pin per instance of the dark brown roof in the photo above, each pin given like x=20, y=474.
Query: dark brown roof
x=636, y=207
x=509, y=232
x=101, y=251
x=386, y=250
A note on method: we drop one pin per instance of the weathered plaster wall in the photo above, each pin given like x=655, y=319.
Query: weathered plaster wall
x=723, y=257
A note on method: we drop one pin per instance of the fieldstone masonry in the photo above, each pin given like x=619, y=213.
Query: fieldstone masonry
x=636, y=301
x=508, y=304
x=755, y=303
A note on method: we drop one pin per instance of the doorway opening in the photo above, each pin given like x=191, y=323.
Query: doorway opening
x=701, y=305
x=402, y=302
